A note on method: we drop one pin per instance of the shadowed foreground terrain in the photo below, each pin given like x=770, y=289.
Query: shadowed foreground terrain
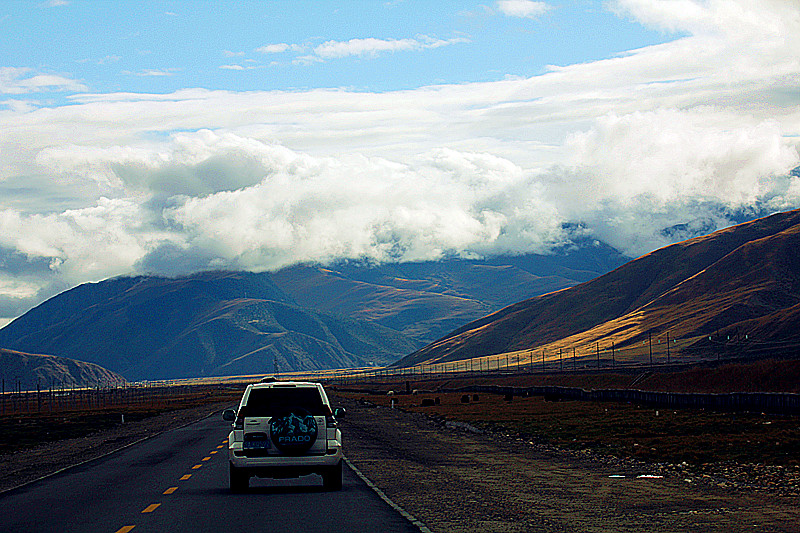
x=488, y=464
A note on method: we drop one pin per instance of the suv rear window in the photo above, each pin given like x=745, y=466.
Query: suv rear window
x=271, y=401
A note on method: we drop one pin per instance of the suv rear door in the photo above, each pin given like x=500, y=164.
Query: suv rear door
x=285, y=403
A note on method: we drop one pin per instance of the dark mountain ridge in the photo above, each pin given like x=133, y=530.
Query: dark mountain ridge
x=300, y=318
x=213, y=323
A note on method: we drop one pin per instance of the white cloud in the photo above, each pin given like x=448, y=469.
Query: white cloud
x=20, y=106
x=522, y=8
x=241, y=67
x=19, y=81
x=17, y=289
x=192, y=164
x=279, y=48
x=70, y=241
x=306, y=60
x=152, y=72
x=368, y=47
x=372, y=47
x=644, y=172
x=641, y=149
x=108, y=60
x=320, y=209
x=742, y=19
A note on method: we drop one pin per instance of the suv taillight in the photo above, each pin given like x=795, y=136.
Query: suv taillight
x=331, y=422
x=239, y=424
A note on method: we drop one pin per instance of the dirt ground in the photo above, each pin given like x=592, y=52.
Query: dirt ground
x=455, y=479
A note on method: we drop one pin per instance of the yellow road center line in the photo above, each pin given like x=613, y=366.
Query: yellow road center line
x=220, y=447
x=213, y=452
x=185, y=477
x=207, y=458
x=195, y=467
x=170, y=490
x=125, y=529
x=150, y=508
x=225, y=441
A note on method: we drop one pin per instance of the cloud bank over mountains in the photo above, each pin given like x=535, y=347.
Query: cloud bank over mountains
x=638, y=150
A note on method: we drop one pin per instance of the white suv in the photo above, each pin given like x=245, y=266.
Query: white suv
x=284, y=429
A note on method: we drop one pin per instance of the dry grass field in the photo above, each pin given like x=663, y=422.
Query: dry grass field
x=620, y=429
x=626, y=429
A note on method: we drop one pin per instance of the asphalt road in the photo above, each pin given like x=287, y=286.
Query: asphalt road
x=178, y=481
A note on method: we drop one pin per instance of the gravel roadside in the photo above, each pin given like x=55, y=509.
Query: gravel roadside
x=456, y=480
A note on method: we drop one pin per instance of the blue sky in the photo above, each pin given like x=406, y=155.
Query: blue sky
x=165, y=46
x=171, y=137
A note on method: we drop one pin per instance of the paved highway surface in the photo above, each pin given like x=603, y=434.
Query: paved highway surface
x=178, y=481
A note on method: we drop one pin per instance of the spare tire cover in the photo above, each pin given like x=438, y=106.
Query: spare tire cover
x=293, y=431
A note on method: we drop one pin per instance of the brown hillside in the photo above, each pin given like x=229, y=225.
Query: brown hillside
x=29, y=371
x=760, y=278
x=733, y=276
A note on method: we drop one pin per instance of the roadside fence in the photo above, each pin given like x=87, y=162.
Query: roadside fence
x=655, y=352
x=61, y=399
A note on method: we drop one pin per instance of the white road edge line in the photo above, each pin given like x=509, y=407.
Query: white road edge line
x=405, y=514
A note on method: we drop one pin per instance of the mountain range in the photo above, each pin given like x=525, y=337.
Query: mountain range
x=306, y=317
x=743, y=279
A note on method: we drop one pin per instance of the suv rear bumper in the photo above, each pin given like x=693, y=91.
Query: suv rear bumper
x=272, y=465
x=284, y=471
